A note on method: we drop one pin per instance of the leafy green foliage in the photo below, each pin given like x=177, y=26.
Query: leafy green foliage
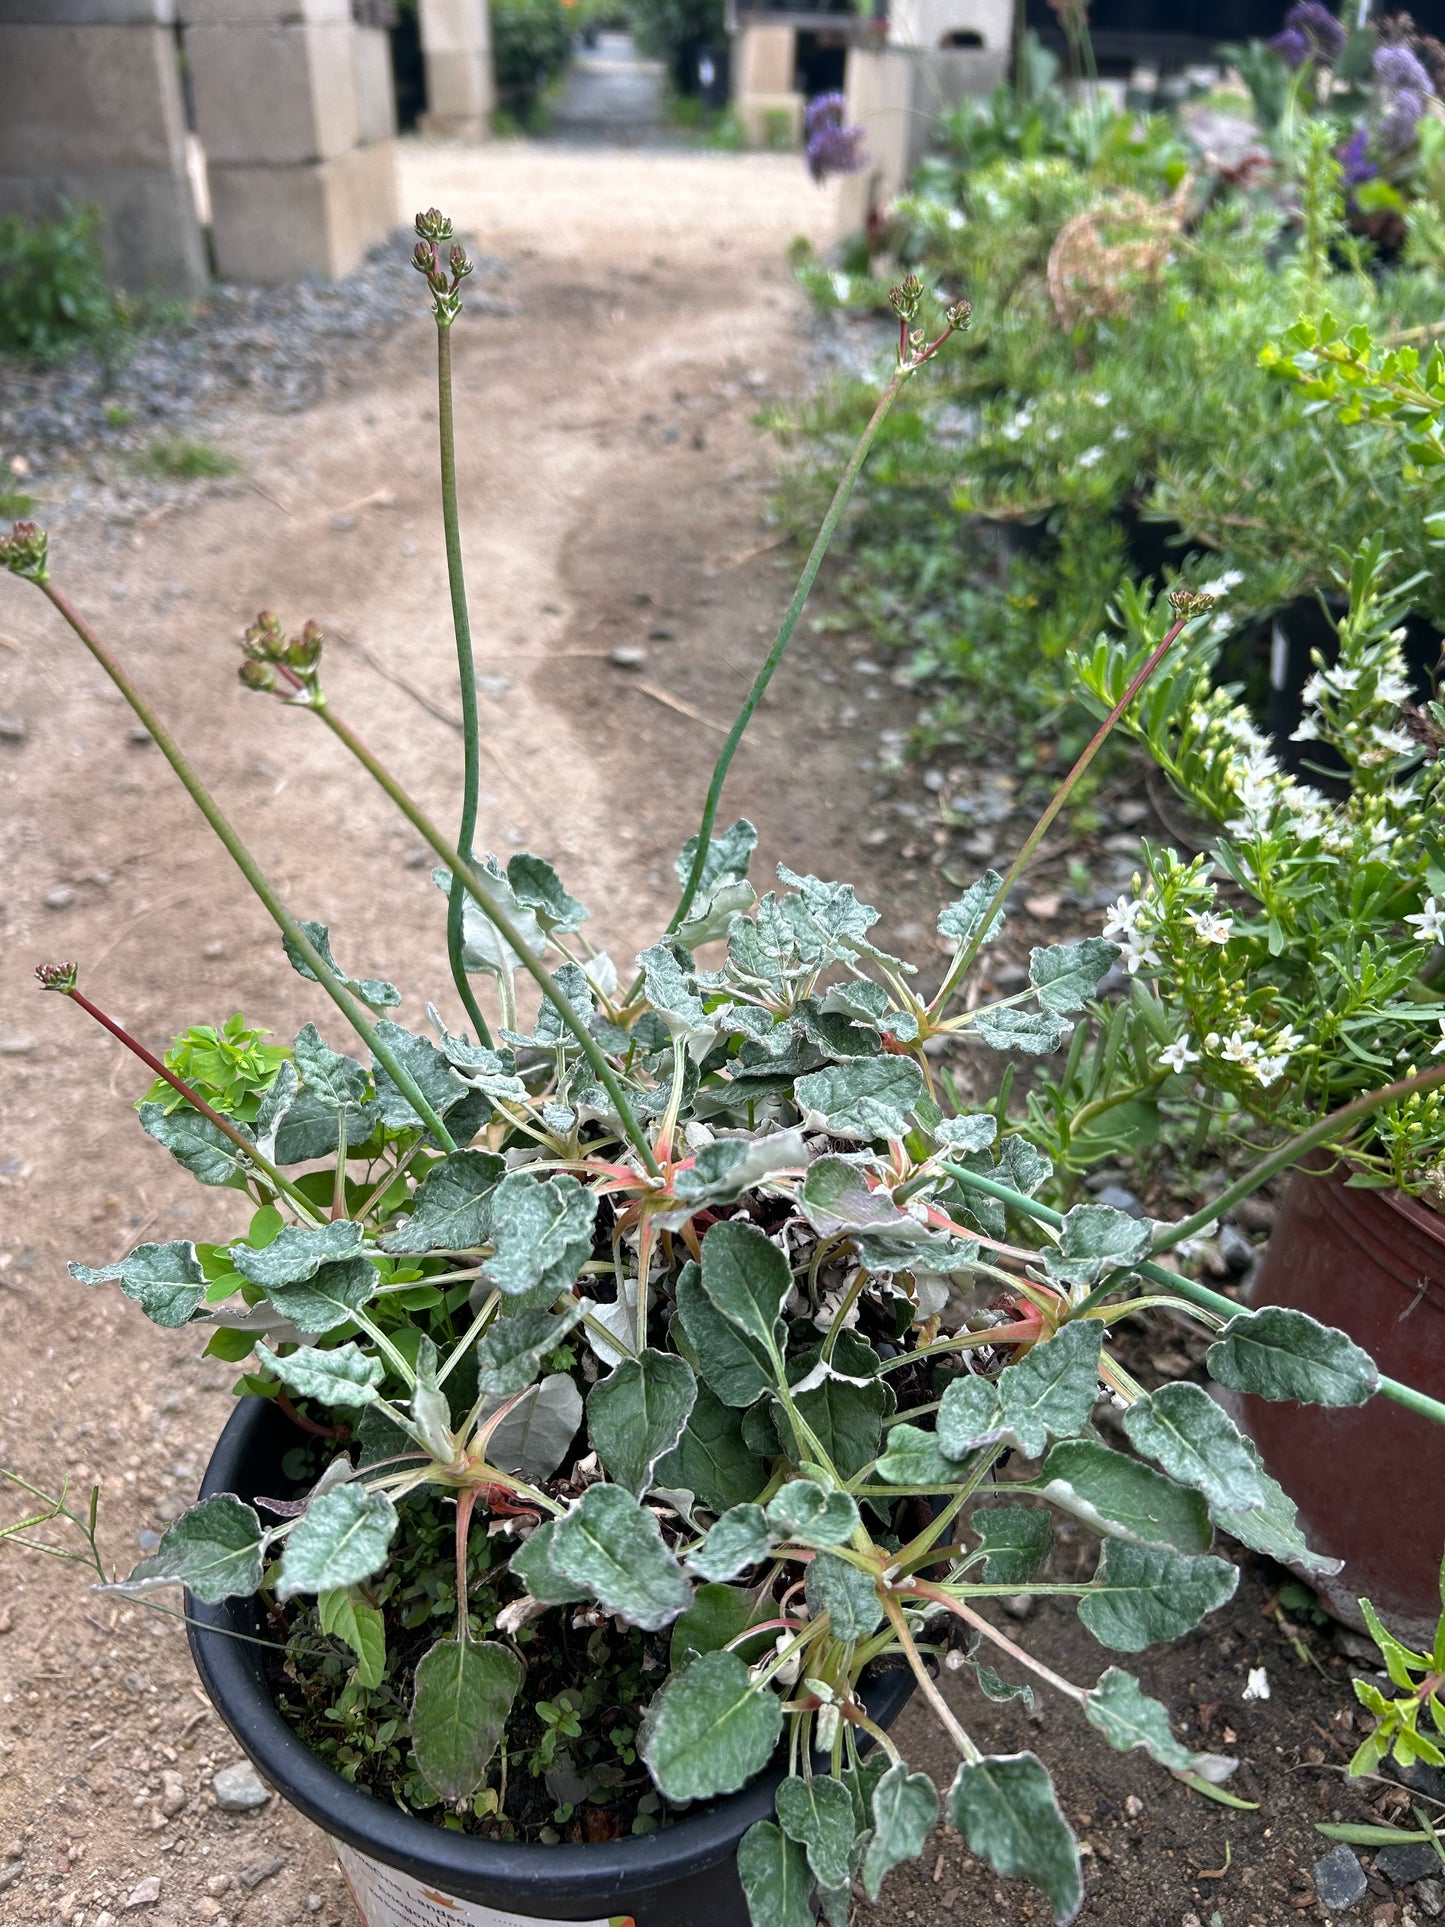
x=531, y=43
x=710, y=1729
x=55, y=296
x=464, y=1692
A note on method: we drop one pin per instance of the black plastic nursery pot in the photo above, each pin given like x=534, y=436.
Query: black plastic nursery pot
x=405, y=1872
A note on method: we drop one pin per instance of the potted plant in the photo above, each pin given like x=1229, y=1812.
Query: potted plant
x=631, y=1374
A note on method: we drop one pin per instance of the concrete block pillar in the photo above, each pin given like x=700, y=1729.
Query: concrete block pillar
x=90, y=111
x=763, y=92
x=456, y=44
x=286, y=94
x=897, y=94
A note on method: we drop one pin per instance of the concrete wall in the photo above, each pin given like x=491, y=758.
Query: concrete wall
x=764, y=97
x=927, y=23
x=897, y=95
x=90, y=111
x=456, y=42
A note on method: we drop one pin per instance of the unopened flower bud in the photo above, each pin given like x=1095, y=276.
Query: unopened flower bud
x=424, y=258
x=460, y=265
x=433, y=225
x=23, y=551
x=303, y=652
x=958, y=314
x=57, y=976
x=257, y=675
x=1189, y=602
x=904, y=299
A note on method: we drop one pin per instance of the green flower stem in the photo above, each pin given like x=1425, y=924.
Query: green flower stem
x=784, y=636
x=477, y=889
x=1214, y=1301
x=467, y=675
x=966, y=952
x=921, y=1673
x=350, y=1006
x=281, y=1185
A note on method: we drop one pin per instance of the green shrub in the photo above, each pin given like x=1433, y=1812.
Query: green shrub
x=673, y=30
x=54, y=295
x=531, y=44
x=175, y=459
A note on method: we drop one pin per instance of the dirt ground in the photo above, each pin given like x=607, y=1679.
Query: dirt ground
x=613, y=481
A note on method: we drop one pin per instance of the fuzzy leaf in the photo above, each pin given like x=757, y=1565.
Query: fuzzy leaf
x=215, y=1548
x=464, y=1692
x=669, y=992
x=818, y=1814
x=717, y=1615
x=320, y=1304
x=536, y=1435
x=451, y=1209
x=845, y=1417
x=613, y=1546
x=537, y=887
x=166, y=1281
x=340, y=1539
x=296, y=1253
x=729, y=853
x=1279, y=1354
x=358, y=1625
x=532, y=1563
x=837, y=1199
x=510, y=1355
x=961, y=1135
x=483, y=945
x=1053, y=1387
x=969, y=1415
x=1272, y=1527
x=429, y=1069
x=1097, y=1239
x=913, y=1458
x=710, y=1729
x=1008, y=1813
x=636, y=1415
x=1016, y=1540
x=776, y=1880
x=735, y=1368
x=346, y=1376
x=1183, y=1429
x=746, y=1278
x=371, y=990
x=711, y=1459
x=541, y=1232
x=739, y=1539
x=1139, y=1596
x=192, y=1140
x=905, y=1807
x=870, y=1098
x=723, y=1170
x=960, y=919
x=1122, y=1498
x=808, y=1516
x=848, y=1596
x=1035, y=1031
x=1127, y=1717
x=1065, y=974
x=338, y=1082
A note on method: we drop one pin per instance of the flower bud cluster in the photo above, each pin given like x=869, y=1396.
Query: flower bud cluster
x=57, y=976
x=23, y=552
x=278, y=665
x=434, y=228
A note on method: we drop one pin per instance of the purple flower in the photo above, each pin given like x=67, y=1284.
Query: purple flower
x=836, y=150
x=1291, y=46
x=1398, y=71
x=1353, y=160
x=1310, y=32
x=1400, y=119
x=824, y=110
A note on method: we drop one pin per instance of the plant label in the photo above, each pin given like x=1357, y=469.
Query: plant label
x=386, y=1898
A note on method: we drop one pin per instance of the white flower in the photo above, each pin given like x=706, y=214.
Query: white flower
x=1256, y=1687
x=1288, y=1040
x=1314, y=688
x=1239, y=1049
x=1429, y=923
x=1123, y=917
x=1091, y=457
x=1398, y=742
x=1222, y=584
x=1268, y=1069
x=1392, y=687
x=1342, y=678
x=1308, y=731
x=1212, y=928
x=1138, y=949
x=1439, y=1050
x=1175, y=1056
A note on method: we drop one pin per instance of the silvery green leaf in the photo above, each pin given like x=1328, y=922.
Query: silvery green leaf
x=729, y=853
x=1139, y=1596
x=1021, y=1165
x=711, y=1459
x=321, y=1303
x=428, y=1067
x=541, y=1233
x=192, y=1140
x=960, y=919
x=537, y=887
x=905, y=1807
x=746, y=1278
x=296, y=1252
x=859, y=999
x=1065, y=975
x=619, y=1317
x=483, y=945
x=612, y=1545
x=340, y=1082
x=346, y=1376
x=340, y=1539
x=838, y=1201
x=635, y=1416
x=510, y=1354
x=832, y=923
x=1278, y=1354
x=713, y=912
x=913, y=1458
x=717, y=1616
x=1096, y=1239
x=1033, y=1031
x=868, y=1099
x=371, y=990
x=464, y=1692
x=166, y=1281
x=669, y=992
x=807, y=1515
x=995, y=1687
x=848, y=1595
x=215, y=1548
x=1127, y=1717
x=309, y=1129
x=776, y=1880
x=431, y=1410
x=740, y=1539
x=1008, y=1814
x=818, y=1814
x=710, y=1729
x=735, y=1368
x=1053, y=1387
x=572, y=984
x=844, y=1412
x=970, y=1416
x=274, y=1110
x=1183, y=1429
x=1272, y=1527
x=451, y=1209
x=601, y=973
x=532, y=1563
x=536, y=1435
x=723, y=1170
x=1123, y=1498
x=1015, y=1539
x=963, y=1134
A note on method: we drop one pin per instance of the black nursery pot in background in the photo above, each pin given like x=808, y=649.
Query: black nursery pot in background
x=405, y=1872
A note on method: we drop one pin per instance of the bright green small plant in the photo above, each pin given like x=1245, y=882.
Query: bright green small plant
x=230, y=1067
x=55, y=296
x=174, y=458
x=1418, y=1679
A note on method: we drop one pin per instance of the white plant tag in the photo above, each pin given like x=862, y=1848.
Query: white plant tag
x=386, y=1898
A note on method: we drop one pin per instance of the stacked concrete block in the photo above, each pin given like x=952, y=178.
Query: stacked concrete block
x=897, y=95
x=285, y=99
x=766, y=101
x=90, y=111
x=375, y=88
x=456, y=42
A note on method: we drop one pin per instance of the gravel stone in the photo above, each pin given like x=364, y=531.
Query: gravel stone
x=239, y=1788
x=60, y=898
x=1431, y=1896
x=9, y=1875
x=13, y=729
x=1120, y=1198
x=1406, y=1863
x=173, y=1794
x=627, y=655
x=258, y=1870
x=1339, y=1879
x=145, y=1894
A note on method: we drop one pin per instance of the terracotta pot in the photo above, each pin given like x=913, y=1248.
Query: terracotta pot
x=1369, y=1481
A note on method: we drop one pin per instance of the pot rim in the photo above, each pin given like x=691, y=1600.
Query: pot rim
x=473, y=1868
